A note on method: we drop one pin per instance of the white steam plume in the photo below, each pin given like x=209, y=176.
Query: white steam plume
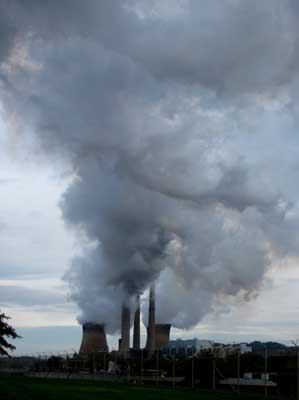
x=181, y=127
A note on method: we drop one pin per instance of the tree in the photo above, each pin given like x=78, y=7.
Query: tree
x=6, y=331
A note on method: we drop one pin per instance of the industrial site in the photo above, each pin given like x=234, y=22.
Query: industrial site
x=158, y=335
x=264, y=368
x=149, y=199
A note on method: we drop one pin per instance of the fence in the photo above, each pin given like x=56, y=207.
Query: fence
x=270, y=368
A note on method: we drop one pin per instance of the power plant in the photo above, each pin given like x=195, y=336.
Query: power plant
x=158, y=335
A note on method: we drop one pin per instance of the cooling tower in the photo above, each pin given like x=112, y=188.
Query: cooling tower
x=125, y=330
x=162, y=335
x=93, y=339
x=151, y=332
x=136, y=334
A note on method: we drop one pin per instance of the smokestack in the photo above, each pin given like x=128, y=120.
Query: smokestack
x=136, y=335
x=93, y=339
x=125, y=330
x=151, y=338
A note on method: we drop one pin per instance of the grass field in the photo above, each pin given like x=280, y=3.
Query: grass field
x=22, y=388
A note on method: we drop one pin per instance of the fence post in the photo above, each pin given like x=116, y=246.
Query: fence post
x=141, y=372
x=173, y=369
x=239, y=371
x=192, y=372
x=214, y=373
x=94, y=362
x=266, y=371
x=157, y=365
x=129, y=372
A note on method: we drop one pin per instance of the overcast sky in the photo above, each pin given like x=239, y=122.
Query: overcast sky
x=36, y=252
x=149, y=141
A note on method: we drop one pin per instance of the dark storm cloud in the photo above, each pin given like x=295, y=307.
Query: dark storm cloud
x=182, y=131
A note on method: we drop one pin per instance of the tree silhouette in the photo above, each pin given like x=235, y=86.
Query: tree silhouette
x=6, y=331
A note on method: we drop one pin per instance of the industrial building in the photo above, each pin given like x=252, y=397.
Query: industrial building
x=158, y=335
x=223, y=351
x=189, y=346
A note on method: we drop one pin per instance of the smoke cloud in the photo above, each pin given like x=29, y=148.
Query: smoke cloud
x=180, y=122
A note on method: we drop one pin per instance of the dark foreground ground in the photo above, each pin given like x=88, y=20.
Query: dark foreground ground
x=22, y=388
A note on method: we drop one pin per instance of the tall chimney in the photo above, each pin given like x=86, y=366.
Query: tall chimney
x=151, y=342
x=93, y=339
x=125, y=330
x=136, y=335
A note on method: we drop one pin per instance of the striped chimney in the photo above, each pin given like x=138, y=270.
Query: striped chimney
x=125, y=330
x=151, y=339
x=136, y=334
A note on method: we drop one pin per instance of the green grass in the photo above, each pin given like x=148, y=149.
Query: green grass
x=22, y=388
